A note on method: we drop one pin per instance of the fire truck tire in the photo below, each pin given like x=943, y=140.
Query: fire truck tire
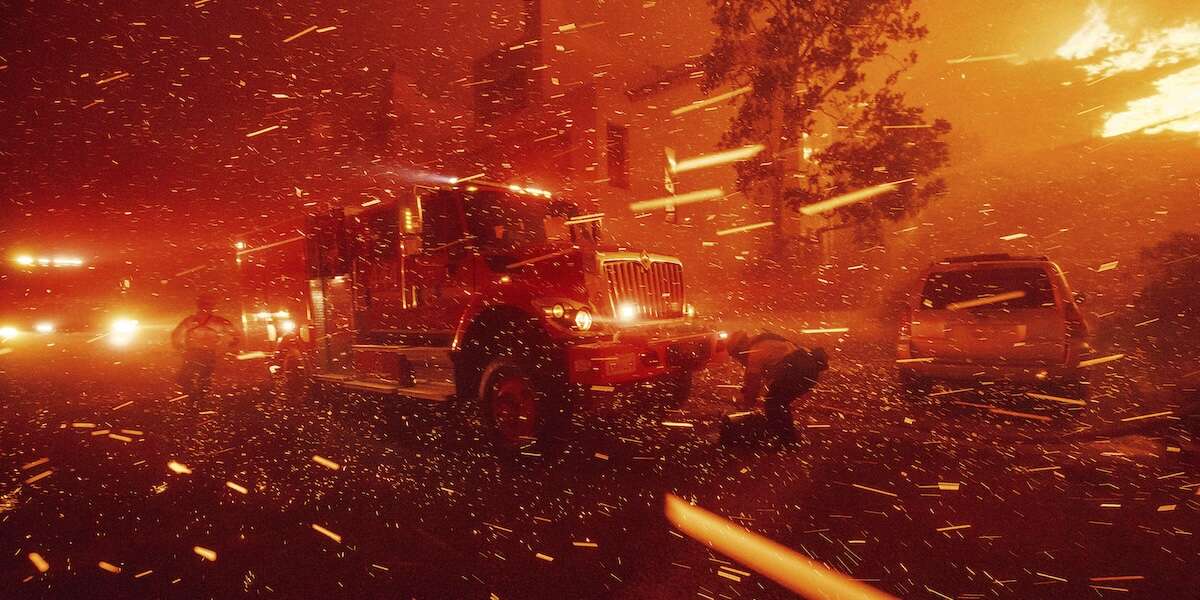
x=513, y=407
x=676, y=389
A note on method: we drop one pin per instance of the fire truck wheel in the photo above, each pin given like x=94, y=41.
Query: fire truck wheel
x=675, y=389
x=511, y=404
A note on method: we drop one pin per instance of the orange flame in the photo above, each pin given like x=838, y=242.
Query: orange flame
x=1175, y=105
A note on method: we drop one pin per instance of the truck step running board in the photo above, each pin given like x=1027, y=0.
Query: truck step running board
x=435, y=391
x=418, y=354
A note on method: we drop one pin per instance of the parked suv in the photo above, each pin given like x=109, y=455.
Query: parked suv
x=993, y=317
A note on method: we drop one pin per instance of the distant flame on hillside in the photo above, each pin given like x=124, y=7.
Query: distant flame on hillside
x=1176, y=104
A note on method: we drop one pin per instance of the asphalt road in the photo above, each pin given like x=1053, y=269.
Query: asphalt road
x=946, y=497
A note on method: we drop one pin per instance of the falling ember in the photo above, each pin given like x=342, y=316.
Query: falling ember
x=699, y=104
x=953, y=528
x=716, y=158
x=118, y=76
x=39, y=476
x=205, y=553
x=39, y=563
x=1014, y=236
x=327, y=533
x=237, y=488
x=300, y=34
x=825, y=330
x=179, y=468
x=325, y=462
x=667, y=201
x=988, y=58
x=111, y=568
x=851, y=197
x=781, y=564
x=1091, y=362
x=986, y=300
x=1037, y=396
x=262, y=131
x=1149, y=416
x=871, y=489
x=36, y=463
x=745, y=228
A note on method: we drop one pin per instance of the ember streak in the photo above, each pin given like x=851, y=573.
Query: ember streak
x=504, y=277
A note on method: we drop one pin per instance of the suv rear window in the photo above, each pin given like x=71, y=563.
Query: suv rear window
x=1002, y=288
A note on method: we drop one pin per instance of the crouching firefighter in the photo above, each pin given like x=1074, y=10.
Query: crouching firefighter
x=202, y=338
x=784, y=369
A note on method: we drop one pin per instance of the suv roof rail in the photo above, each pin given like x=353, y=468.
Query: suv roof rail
x=989, y=257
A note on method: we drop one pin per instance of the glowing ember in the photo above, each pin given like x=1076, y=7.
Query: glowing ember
x=325, y=462
x=38, y=562
x=179, y=468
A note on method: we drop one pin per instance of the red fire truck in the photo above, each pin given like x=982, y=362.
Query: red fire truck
x=498, y=295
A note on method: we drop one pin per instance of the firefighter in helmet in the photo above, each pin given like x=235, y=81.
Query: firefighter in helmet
x=784, y=369
x=202, y=338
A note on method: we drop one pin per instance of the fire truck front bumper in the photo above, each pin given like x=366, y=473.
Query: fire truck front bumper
x=631, y=357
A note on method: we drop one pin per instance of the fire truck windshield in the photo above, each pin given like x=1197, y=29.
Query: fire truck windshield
x=503, y=220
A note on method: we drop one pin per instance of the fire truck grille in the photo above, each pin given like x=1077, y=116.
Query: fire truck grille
x=656, y=291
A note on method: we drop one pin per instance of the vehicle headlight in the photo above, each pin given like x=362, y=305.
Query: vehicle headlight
x=44, y=327
x=8, y=332
x=627, y=312
x=583, y=319
x=125, y=327
x=558, y=311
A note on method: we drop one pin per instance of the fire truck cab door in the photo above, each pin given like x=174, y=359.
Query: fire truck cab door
x=439, y=269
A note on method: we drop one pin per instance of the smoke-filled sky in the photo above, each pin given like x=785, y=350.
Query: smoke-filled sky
x=132, y=116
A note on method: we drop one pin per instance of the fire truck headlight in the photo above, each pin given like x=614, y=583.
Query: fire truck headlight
x=583, y=319
x=8, y=332
x=287, y=326
x=44, y=327
x=627, y=312
x=558, y=311
x=124, y=327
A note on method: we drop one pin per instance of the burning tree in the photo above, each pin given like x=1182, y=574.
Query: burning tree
x=810, y=66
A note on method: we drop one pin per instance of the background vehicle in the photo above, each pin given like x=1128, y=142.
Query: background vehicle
x=988, y=317
x=48, y=295
x=487, y=293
